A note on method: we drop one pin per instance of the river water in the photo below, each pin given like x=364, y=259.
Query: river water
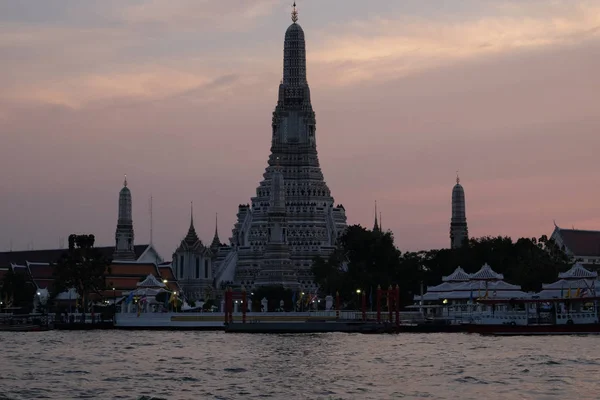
x=214, y=365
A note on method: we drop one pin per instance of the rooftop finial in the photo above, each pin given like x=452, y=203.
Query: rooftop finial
x=191, y=213
x=294, y=13
x=125, y=181
x=457, y=178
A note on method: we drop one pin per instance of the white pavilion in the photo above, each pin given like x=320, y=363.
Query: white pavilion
x=458, y=293
x=145, y=295
x=577, y=282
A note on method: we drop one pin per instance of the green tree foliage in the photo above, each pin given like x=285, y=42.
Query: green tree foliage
x=82, y=267
x=365, y=259
x=16, y=290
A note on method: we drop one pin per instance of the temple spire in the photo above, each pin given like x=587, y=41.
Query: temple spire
x=191, y=214
x=125, y=181
x=376, y=224
x=216, y=242
x=294, y=13
x=459, y=234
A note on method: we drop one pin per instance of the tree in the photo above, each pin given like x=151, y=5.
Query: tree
x=82, y=267
x=363, y=260
x=16, y=290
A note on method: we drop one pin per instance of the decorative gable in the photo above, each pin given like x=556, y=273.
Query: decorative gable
x=578, y=272
x=459, y=275
x=150, y=282
x=486, y=273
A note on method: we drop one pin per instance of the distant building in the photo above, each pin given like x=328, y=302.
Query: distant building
x=459, y=234
x=582, y=246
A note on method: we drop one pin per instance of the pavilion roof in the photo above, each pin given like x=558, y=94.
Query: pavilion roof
x=486, y=273
x=577, y=271
x=459, y=274
x=150, y=282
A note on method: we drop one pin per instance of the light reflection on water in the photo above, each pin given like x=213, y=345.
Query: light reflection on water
x=215, y=365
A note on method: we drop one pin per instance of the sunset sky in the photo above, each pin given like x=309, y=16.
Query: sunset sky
x=178, y=95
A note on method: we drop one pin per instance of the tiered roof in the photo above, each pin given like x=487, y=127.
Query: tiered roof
x=576, y=282
x=483, y=283
x=579, y=242
x=53, y=255
x=459, y=275
x=150, y=282
x=486, y=273
x=577, y=271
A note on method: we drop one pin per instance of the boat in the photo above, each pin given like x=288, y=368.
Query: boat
x=25, y=322
x=538, y=316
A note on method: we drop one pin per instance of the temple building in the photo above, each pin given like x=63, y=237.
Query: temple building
x=292, y=218
x=459, y=234
x=583, y=246
x=192, y=264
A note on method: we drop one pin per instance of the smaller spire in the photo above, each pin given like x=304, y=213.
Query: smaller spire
x=294, y=13
x=457, y=178
x=125, y=181
x=376, y=224
x=191, y=214
x=216, y=242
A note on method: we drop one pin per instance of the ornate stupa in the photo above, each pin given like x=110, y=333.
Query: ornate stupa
x=459, y=234
x=124, y=238
x=309, y=221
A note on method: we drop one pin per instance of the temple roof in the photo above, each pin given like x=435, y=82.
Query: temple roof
x=150, y=282
x=53, y=255
x=459, y=274
x=580, y=242
x=486, y=273
x=577, y=272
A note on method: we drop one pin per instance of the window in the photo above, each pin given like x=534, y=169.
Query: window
x=197, y=267
x=205, y=269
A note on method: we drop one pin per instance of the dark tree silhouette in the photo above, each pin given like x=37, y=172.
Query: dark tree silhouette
x=82, y=267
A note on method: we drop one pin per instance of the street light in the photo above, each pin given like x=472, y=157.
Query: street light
x=114, y=306
x=358, y=291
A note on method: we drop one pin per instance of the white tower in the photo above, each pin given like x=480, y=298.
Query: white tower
x=124, y=237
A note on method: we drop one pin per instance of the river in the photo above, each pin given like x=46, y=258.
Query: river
x=214, y=365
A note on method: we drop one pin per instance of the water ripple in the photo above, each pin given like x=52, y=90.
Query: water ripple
x=214, y=365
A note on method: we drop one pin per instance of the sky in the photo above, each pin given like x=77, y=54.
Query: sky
x=178, y=95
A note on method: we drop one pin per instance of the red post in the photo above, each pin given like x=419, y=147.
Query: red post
x=244, y=306
x=226, y=305
x=337, y=305
x=397, y=295
x=230, y=305
x=378, y=303
x=364, y=306
x=390, y=301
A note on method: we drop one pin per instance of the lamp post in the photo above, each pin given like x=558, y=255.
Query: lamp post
x=358, y=291
x=114, y=306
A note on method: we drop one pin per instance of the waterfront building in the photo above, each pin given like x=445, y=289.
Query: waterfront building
x=269, y=240
x=459, y=234
x=583, y=246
